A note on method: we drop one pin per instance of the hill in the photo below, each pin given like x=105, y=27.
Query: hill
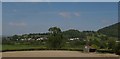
x=111, y=30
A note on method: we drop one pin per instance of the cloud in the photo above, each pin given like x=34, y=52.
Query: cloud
x=77, y=14
x=69, y=14
x=18, y=24
x=14, y=10
x=65, y=14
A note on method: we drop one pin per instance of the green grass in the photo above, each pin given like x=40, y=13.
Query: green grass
x=20, y=47
x=33, y=47
x=39, y=47
x=0, y=47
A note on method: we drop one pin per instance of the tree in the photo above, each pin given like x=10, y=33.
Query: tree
x=14, y=37
x=54, y=30
x=117, y=48
x=111, y=43
x=55, y=38
x=72, y=33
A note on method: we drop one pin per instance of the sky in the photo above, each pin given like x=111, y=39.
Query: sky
x=0, y=18
x=60, y=0
x=38, y=17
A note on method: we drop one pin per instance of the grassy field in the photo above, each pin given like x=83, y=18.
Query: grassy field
x=0, y=47
x=20, y=47
x=6, y=48
x=33, y=47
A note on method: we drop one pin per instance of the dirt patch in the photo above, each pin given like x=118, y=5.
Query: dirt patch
x=54, y=54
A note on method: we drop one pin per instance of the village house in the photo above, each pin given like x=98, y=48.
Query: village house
x=71, y=39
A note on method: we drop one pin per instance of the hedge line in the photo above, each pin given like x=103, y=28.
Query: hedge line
x=72, y=49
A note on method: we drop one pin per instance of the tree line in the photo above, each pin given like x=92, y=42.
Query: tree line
x=61, y=39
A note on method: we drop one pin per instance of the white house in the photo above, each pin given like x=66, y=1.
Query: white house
x=71, y=39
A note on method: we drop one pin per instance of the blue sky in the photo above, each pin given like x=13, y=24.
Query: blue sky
x=60, y=0
x=0, y=18
x=20, y=18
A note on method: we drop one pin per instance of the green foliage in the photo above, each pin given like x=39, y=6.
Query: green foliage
x=96, y=43
x=111, y=30
x=54, y=30
x=94, y=46
x=117, y=48
x=75, y=43
x=111, y=43
x=72, y=33
x=55, y=39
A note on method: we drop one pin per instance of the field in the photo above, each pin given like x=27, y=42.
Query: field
x=6, y=48
x=54, y=53
x=26, y=51
x=20, y=47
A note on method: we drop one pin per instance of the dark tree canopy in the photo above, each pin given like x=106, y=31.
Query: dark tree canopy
x=54, y=30
x=55, y=39
x=72, y=33
x=112, y=30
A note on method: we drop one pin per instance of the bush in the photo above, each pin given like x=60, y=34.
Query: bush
x=105, y=51
x=117, y=49
x=118, y=52
x=95, y=46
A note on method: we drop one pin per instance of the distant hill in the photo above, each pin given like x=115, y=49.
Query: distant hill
x=71, y=33
x=111, y=30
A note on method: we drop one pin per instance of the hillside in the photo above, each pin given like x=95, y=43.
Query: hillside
x=111, y=30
